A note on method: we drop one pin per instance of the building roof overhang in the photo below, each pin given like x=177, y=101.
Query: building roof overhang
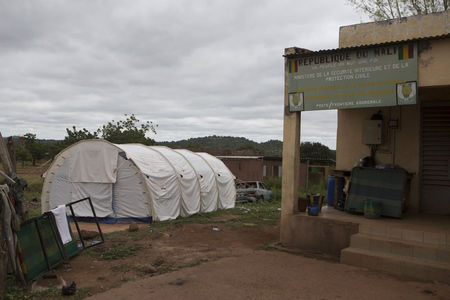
x=294, y=52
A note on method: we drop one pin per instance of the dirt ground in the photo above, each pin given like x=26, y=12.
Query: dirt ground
x=220, y=261
x=155, y=251
x=275, y=275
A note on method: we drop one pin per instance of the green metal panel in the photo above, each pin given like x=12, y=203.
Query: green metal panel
x=32, y=250
x=71, y=247
x=386, y=186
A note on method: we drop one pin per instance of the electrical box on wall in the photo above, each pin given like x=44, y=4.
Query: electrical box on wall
x=371, y=132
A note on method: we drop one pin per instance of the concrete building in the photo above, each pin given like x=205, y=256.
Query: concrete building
x=398, y=71
x=256, y=168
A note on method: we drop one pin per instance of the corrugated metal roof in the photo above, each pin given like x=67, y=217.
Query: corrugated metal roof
x=300, y=52
x=239, y=157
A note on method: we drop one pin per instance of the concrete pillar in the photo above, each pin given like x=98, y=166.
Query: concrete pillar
x=291, y=166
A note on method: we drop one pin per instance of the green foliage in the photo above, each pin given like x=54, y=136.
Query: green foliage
x=213, y=142
x=247, y=147
x=315, y=189
x=128, y=131
x=317, y=153
x=125, y=131
x=75, y=135
x=391, y=9
x=309, y=150
x=34, y=187
x=274, y=184
x=37, y=149
x=22, y=154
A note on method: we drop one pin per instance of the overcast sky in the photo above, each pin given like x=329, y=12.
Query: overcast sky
x=195, y=68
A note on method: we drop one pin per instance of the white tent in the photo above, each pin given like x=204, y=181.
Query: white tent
x=136, y=181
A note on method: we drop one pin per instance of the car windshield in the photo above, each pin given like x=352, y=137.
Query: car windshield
x=262, y=186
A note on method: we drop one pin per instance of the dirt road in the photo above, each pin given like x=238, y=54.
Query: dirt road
x=275, y=275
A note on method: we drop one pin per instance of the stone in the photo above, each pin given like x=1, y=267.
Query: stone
x=133, y=227
x=88, y=235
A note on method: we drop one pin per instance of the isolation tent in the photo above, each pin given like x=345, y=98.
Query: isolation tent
x=134, y=181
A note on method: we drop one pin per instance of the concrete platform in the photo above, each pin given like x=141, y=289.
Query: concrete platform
x=417, y=246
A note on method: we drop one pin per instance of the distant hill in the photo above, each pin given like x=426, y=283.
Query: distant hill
x=229, y=145
x=269, y=148
x=316, y=153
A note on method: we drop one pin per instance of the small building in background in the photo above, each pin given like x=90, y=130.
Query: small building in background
x=245, y=168
x=257, y=168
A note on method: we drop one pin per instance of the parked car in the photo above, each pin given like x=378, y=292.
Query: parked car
x=251, y=191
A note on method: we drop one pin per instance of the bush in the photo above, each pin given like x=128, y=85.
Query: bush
x=320, y=188
x=274, y=184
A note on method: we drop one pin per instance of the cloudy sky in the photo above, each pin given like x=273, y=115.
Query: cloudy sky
x=193, y=67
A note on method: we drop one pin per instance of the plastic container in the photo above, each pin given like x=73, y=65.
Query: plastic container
x=330, y=189
x=314, y=200
x=372, y=208
x=313, y=210
x=302, y=204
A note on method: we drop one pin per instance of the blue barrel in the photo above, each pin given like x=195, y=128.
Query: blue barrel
x=330, y=189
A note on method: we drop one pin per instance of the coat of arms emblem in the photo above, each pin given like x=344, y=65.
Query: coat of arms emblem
x=406, y=93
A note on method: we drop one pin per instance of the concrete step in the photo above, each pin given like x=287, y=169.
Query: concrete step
x=407, y=266
x=420, y=250
x=408, y=232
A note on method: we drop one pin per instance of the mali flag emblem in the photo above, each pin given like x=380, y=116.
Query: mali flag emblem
x=406, y=51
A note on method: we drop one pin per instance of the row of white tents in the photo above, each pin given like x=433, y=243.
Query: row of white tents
x=136, y=181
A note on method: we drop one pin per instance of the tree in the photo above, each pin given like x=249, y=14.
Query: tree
x=75, y=135
x=390, y=9
x=23, y=155
x=129, y=130
x=317, y=153
x=36, y=148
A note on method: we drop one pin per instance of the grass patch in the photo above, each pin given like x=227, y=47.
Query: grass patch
x=257, y=213
x=34, y=188
x=158, y=262
x=146, y=270
x=165, y=270
x=14, y=291
x=122, y=268
x=34, y=212
x=267, y=247
x=194, y=263
x=115, y=251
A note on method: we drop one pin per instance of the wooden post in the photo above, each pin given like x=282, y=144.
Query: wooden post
x=307, y=174
x=290, y=166
x=7, y=166
x=12, y=153
x=3, y=264
x=4, y=156
x=336, y=184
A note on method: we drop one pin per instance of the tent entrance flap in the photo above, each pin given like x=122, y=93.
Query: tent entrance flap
x=93, y=163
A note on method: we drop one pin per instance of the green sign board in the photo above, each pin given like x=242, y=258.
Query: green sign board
x=363, y=77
